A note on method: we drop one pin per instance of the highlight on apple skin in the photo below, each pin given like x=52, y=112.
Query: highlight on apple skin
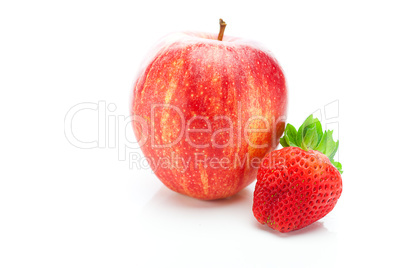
x=205, y=112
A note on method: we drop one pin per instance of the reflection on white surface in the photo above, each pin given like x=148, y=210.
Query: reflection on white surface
x=183, y=230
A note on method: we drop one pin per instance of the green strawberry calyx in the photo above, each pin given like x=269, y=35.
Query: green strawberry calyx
x=311, y=137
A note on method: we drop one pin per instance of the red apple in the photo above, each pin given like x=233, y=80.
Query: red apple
x=206, y=112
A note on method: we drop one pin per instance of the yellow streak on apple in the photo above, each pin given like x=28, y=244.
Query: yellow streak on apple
x=166, y=133
x=204, y=179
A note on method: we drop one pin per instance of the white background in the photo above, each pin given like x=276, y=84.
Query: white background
x=62, y=206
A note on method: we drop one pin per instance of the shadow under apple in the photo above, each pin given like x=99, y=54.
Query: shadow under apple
x=235, y=213
x=172, y=208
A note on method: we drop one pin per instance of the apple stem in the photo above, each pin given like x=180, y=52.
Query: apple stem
x=222, y=30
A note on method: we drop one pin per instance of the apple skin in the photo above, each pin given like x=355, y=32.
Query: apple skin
x=194, y=103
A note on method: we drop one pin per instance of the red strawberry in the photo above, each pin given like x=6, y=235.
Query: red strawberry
x=300, y=183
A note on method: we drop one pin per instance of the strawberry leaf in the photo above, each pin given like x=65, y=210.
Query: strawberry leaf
x=323, y=143
x=289, y=139
x=311, y=137
x=282, y=141
x=337, y=165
